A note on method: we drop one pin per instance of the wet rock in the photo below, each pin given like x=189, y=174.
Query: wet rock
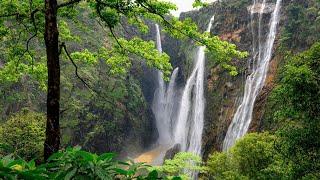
x=257, y=8
x=172, y=152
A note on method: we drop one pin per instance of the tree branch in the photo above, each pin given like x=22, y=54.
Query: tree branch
x=63, y=46
x=8, y=15
x=32, y=17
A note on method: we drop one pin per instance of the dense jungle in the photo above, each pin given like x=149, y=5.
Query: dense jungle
x=160, y=89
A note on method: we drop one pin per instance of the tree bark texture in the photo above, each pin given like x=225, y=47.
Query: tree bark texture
x=51, y=36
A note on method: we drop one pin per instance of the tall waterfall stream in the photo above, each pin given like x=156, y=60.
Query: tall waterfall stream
x=189, y=125
x=255, y=81
x=163, y=102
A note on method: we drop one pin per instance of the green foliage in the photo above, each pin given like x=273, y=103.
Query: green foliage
x=222, y=166
x=183, y=165
x=65, y=32
x=119, y=61
x=296, y=109
x=22, y=28
x=24, y=134
x=252, y=157
x=199, y=3
x=77, y=164
x=11, y=168
x=73, y=163
x=302, y=27
x=254, y=154
x=116, y=113
x=110, y=13
x=86, y=56
x=298, y=91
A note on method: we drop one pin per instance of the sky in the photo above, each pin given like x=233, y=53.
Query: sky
x=183, y=5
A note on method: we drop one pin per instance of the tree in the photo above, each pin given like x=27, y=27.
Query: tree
x=51, y=37
x=29, y=16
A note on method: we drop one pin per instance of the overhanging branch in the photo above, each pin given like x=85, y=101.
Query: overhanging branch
x=63, y=46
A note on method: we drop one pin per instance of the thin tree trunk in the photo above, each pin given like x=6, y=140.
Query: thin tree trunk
x=51, y=36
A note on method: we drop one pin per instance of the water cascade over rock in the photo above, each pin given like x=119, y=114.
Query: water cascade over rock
x=189, y=125
x=261, y=56
x=164, y=101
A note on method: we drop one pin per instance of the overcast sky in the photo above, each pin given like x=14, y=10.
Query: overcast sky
x=184, y=5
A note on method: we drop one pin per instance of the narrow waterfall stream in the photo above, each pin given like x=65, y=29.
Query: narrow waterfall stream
x=189, y=125
x=261, y=57
x=163, y=101
x=163, y=108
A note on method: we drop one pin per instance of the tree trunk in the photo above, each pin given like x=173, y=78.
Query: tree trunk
x=51, y=37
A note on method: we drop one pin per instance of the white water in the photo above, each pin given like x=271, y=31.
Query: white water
x=163, y=102
x=189, y=125
x=255, y=81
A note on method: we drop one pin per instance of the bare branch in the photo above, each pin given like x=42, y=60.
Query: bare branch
x=115, y=37
x=63, y=46
x=26, y=51
x=32, y=17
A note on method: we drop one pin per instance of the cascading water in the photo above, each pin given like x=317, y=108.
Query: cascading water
x=255, y=81
x=189, y=125
x=163, y=101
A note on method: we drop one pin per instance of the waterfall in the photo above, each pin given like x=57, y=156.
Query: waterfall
x=189, y=125
x=163, y=101
x=255, y=81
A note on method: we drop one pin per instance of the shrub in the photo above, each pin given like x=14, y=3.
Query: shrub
x=183, y=165
x=23, y=134
x=74, y=163
x=252, y=157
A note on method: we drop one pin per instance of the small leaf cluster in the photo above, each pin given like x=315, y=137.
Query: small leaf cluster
x=118, y=58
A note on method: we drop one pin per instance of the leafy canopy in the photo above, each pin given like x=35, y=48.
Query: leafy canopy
x=22, y=27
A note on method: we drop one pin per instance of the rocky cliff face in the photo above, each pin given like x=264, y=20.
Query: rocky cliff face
x=224, y=92
x=233, y=24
